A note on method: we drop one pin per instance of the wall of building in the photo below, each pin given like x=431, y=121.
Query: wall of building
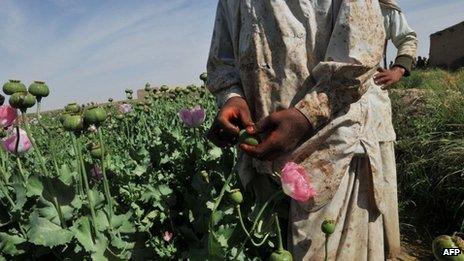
x=447, y=47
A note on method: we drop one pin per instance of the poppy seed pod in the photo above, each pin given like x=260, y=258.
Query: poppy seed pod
x=22, y=100
x=94, y=115
x=328, y=227
x=13, y=86
x=204, y=77
x=147, y=87
x=39, y=89
x=236, y=196
x=95, y=150
x=72, y=108
x=73, y=123
x=281, y=255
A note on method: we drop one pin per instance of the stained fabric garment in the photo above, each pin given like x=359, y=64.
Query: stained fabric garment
x=403, y=37
x=392, y=4
x=320, y=57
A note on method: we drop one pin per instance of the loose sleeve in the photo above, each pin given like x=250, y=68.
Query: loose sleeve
x=352, y=57
x=404, y=38
x=223, y=75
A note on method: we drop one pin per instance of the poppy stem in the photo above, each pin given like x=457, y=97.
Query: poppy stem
x=35, y=148
x=7, y=195
x=60, y=214
x=90, y=200
x=106, y=186
x=326, y=247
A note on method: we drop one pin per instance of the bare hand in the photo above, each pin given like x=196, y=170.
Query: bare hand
x=389, y=77
x=233, y=116
x=284, y=131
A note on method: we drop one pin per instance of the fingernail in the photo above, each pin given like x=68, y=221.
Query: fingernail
x=250, y=129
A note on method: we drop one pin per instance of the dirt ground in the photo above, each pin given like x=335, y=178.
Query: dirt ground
x=414, y=249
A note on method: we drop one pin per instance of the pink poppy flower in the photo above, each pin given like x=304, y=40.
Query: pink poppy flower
x=125, y=108
x=193, y=117
x=296, y=183
x=167, y=236
x=8, y=115
x=9, y=143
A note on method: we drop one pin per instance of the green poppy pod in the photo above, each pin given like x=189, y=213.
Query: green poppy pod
x=281, y=255
x=39, y=89
x=13, y=86
x=94, y=115
x=22, y=100
x=204, y=76
x=72, y=108
x=73, y=123
x=328, y=227
x=246, y=138
x=444, y=242
x=119, y=116
x=63, y=117
x=236, y=196
x=147, y=87
x=95, y=150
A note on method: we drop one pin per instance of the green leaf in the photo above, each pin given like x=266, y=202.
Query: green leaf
x=66, y=175
x=214, y=247
x=34, y=187
x=140, y=170
x=214, y=153
x=47, y=209
x=83, y=234
x=123, y=223
x=102, y=221
x=97, y=198
x=164, y=190
x=20, y=193
x=45, y=233
x=54, y=187
x=9, y=244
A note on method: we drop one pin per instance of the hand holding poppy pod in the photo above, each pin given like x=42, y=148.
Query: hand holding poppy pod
x=233, y=116
x=284, y=131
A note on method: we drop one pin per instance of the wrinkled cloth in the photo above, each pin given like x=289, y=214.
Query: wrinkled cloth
x=392, y=4
x=403, y=37
x=359, y=232
x=320, y=57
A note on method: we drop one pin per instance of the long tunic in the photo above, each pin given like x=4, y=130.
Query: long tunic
x=320, y=57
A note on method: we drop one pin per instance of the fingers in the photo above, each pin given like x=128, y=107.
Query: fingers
x=245, y=118
x=382, y=80
x=220, y=137
x=387, y=84
x=269, y=149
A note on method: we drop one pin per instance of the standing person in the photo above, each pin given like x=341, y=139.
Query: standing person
x=304, y=72
x=405, y=40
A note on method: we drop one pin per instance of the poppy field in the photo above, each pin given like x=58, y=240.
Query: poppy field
x=135, y=180
x=138, y=180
